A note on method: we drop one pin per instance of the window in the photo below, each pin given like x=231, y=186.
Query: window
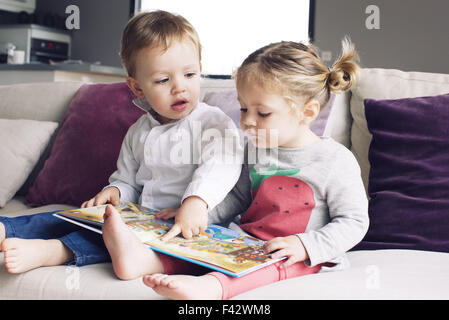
x=230, y=30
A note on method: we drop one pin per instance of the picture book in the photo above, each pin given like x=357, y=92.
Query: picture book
x=218, y=248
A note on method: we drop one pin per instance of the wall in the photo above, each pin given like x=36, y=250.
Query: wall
x=413, y=34
x=101, y=26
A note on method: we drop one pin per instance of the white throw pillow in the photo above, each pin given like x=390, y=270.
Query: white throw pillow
x=22, y=143
x=383, y=84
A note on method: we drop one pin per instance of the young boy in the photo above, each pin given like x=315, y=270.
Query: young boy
x=162, y=55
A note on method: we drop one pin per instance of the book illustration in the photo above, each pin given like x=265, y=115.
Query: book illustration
x=217, y=247
x=128, y=211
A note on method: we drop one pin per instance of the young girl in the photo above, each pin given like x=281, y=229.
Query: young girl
x=303, y=194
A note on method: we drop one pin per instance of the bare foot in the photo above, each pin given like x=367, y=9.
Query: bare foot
x=2, y=234
x=130, y=257
x=21, y=255
x=182, y=287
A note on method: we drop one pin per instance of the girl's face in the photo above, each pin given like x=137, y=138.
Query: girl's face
x=267, y=119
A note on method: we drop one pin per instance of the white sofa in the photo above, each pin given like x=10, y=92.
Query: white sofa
x=374, y=274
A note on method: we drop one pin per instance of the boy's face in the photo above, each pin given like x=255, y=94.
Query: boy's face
x=170, y=80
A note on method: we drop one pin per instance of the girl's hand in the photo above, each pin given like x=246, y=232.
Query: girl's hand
x=109, y=195
x=190, y=219
x=290, y=246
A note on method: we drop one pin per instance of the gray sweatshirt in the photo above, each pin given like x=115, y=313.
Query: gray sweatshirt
x=315, y=192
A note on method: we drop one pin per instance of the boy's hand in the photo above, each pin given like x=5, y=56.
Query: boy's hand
x=109, y=195
x=290, y=246
x=190, y=219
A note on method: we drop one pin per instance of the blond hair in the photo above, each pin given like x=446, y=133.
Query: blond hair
x=295, y=71
x=154, y=29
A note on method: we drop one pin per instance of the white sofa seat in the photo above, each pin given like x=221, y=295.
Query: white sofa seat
x=379, y=274
x=376, y=274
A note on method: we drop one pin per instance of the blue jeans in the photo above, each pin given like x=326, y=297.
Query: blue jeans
x=87, y=246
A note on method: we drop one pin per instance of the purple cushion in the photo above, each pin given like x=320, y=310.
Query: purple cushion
x=319, y=124
x=409, y=177
x=87, y=145
x=227, y=101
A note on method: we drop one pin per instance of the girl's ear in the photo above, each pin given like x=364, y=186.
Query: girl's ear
x=310, y=111
x=134, y=86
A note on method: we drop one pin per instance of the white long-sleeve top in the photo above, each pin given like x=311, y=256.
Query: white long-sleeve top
x=160, y=165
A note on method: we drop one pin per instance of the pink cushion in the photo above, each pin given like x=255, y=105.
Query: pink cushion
x=87, y=145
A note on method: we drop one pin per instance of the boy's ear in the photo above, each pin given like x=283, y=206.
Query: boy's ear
x=310, y=111
x=134, y=86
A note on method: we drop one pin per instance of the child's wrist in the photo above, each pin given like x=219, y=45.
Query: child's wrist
x=116, y=189
x=306, y=254
x=195, y=200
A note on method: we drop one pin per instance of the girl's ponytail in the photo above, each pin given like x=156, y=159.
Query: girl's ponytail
x=296, y=71
x=344, y=73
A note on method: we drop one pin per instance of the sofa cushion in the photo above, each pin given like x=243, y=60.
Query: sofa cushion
x=87, y=145
x=409, y=176
x=92, y=282
x=380, y=274
x=43, y=101
x=320, y=123
x=227, y=101
x=386, y=84
x=373, y=275
x=23, y=142
x=16, y=204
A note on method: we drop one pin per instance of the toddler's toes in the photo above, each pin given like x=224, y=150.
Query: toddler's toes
x=169, y=282
x=158, y=278
x=154, y=280
x=148, y=281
